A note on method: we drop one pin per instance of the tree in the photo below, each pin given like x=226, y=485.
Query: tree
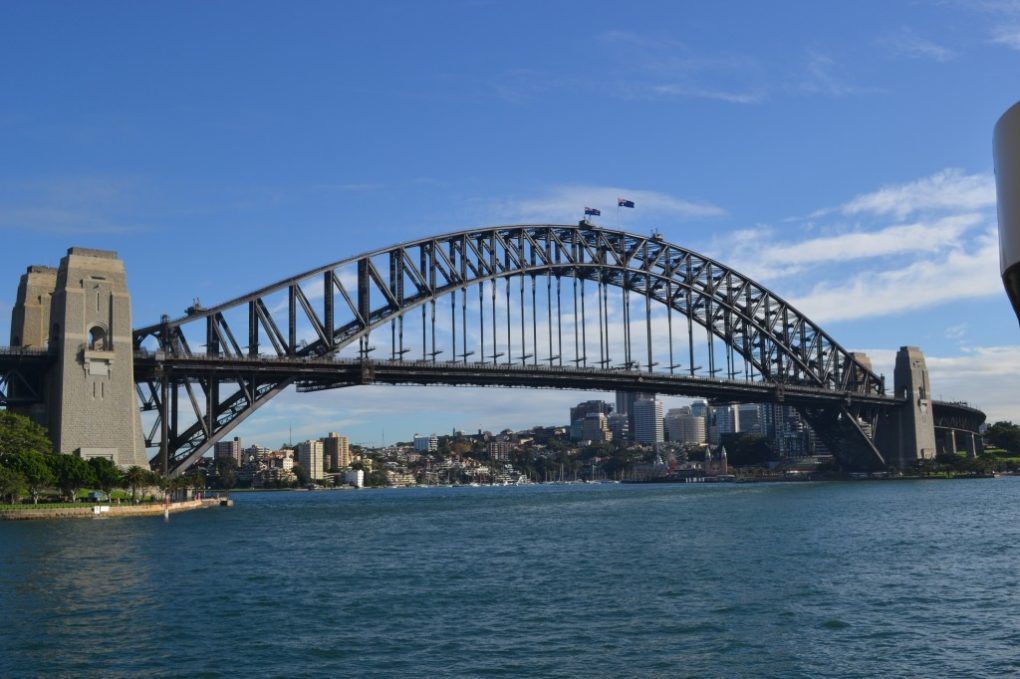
x=194, y=480
x=32, y=465
x=107, y=475
x=302, y=475
x=18, y=433
x=226, y=471
x=745, y=449
x=137, y=478
x=12, y=484
x=1004, y=435
x=72, y=474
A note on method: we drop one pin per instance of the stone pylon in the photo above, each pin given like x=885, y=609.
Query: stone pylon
x=91, y=407
x=907, y=434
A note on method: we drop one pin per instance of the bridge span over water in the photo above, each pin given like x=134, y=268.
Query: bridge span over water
x=576, y=307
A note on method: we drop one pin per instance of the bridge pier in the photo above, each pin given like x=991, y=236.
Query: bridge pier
x=81, y=312
x=907, y=434
x=970, y=444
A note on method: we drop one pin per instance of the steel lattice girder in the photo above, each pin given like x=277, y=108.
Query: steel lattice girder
x=345, y=301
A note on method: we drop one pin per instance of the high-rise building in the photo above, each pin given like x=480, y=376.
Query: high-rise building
x=309, y=456
x=724, y=420
x=255, y=452
x=336, y=450
x=625, y=401
x=785, y=430
x=228, y=450
x=582, y=410
x=619, y=426
x=426, y=444
x=595, y=428
x=699, y=408
x=682, y=427
x=750, y=418
x=648, y=421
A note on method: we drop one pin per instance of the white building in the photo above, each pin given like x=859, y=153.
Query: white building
x=648, y=421
x=684, y=428
x=426, y=444
x=309, y=456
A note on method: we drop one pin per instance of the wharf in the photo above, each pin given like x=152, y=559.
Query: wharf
x=104, y=511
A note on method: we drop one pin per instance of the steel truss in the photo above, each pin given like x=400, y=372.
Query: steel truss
x=516, y=295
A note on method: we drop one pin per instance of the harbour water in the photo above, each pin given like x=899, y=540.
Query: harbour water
x=891, y=579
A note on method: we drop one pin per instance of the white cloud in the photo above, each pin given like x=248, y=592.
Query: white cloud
x=1007, y=36
x=686, y=90
x=406, y=409
x=656, y=67
x=823, y=76
x=958, y=274
x=949, y=189
x=907, y=43
x=984, y=377
x=758, y=255
x=71, y=205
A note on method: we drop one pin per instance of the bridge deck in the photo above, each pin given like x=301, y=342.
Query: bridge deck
x=318, y=374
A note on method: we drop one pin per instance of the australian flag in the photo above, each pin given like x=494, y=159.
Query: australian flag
x=623, y=202
x=592, y=212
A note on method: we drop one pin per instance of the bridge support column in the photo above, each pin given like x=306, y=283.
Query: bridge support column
x=91, y=403
x=951, y=436
x=30, y=326
x=970, y=444
x=907, y=434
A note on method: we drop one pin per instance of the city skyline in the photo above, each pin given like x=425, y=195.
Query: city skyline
x=841, y=156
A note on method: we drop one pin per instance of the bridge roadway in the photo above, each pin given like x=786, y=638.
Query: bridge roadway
x=326, y=373
x=27, y=366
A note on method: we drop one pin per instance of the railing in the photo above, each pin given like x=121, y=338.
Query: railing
x=25, y=351
x=485, y=366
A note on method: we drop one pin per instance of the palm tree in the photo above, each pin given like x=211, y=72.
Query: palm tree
x=136, y=478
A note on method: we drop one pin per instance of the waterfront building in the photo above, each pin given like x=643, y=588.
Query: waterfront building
x=648, y=421
x=699, y=408
x=619, y=426
x=337, y=451
x=595, y=428
x=400, y=477
x=625, y=401
x=309, y=456
x=786, y=431
x=355, y=477
x=582, y=410
x=256, y=452
x=751, y=418
x=426, y=444
x=724, y=420
x=274, y=474
x=684, y=428
x=500, y=449
x=228, y=450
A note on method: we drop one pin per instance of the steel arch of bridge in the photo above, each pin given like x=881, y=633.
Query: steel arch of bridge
x=342, y=303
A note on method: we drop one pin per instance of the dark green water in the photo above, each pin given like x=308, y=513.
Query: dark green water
x=896, y=579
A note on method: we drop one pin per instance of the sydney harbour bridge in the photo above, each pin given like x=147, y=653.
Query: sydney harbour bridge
x=555, y=306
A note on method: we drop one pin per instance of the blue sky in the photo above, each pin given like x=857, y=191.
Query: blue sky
x=839, y=153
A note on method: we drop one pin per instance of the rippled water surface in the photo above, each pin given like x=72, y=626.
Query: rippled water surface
x=892, y=579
